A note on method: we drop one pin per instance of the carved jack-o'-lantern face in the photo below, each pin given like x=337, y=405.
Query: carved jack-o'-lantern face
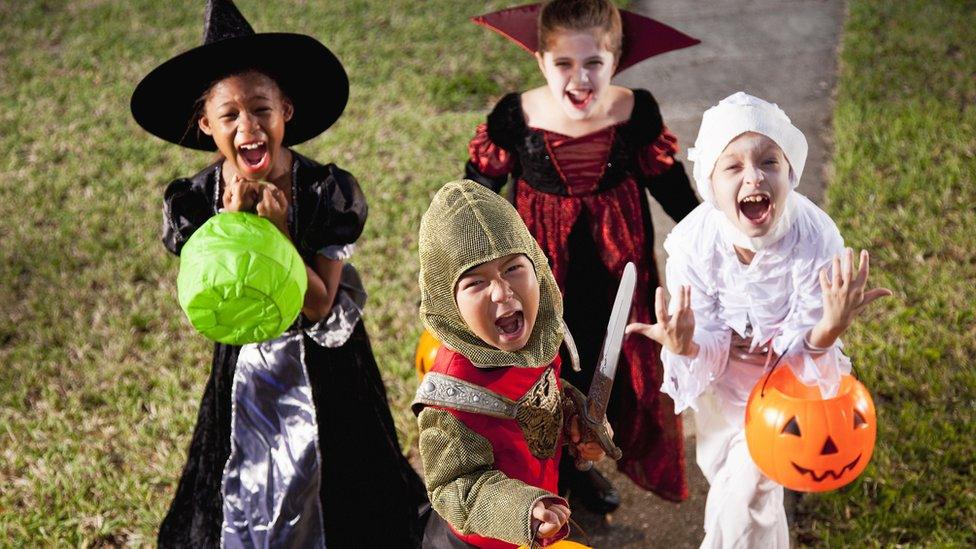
x=427, y=348
x=805, y=442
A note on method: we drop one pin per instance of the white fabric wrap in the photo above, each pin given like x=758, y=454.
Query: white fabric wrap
x=744, y=508
x=778, y=295
x=733, y=116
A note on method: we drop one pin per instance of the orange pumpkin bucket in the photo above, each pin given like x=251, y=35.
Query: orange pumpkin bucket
x=425, y=354
x=805, y=442
x=563, y=544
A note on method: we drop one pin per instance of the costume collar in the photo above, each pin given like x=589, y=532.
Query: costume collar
x=643, y=37
x=731, y=235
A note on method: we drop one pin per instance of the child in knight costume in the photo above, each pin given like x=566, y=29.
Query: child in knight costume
x=748, y=272
x=294, y=439
x=492, y=411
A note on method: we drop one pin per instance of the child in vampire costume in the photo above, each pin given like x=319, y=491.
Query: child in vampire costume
x=294, y=443
x=580, y=185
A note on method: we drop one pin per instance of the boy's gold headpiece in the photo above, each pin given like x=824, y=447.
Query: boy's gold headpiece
x=466, y=225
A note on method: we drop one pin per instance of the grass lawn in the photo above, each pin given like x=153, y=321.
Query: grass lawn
x=904, y=186
x=101, y=375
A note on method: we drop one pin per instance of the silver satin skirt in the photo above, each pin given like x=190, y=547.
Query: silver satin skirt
x=272, y=478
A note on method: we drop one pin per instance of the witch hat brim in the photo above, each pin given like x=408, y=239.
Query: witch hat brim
x=643, y=37
x=165, y=100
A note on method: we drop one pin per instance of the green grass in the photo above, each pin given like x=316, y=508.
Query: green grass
x=904, y=186
x=101, y=374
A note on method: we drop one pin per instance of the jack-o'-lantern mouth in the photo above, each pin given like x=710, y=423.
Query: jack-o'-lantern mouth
x=828, y=472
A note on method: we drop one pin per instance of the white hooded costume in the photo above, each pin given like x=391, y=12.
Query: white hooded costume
x=775, y=300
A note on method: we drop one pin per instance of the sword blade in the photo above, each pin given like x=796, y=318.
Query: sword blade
x=599, y=395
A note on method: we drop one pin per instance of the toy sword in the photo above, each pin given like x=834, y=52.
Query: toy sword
x=592, y=413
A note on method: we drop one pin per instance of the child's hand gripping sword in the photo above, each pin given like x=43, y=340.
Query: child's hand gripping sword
x=592, y=410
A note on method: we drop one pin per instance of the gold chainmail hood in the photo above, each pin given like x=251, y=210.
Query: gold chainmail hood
x=466, y=225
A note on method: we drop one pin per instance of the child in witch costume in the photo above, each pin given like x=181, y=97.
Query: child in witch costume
x=748, y=274
x=294, y=443
x=492, y=412
x=581, y=153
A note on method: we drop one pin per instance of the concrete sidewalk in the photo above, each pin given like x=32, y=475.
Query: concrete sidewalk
x=783, y=51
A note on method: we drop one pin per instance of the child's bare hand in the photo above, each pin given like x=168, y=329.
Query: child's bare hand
x=674, y=332
x=274, y=207
x=590, y=450
x=844, y=295
x=240, y=195
x=552, y=516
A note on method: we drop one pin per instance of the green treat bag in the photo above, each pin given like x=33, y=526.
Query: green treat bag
x=241, y=280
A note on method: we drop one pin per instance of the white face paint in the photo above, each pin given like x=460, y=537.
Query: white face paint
x=578, y=69
x=750, y=184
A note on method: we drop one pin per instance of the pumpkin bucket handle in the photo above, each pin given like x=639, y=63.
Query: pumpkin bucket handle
x=762, y=392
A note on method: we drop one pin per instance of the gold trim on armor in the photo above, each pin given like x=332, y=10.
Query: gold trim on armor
x=540, y=415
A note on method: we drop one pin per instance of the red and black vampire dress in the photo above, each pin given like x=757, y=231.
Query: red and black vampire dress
x=583, y=200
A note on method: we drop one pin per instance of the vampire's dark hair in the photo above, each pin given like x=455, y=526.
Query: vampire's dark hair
x=581, y=15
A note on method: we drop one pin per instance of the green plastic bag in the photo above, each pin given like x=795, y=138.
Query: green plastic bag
x=241, y=280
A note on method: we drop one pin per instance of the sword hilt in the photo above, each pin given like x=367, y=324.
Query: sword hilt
x=590, y=430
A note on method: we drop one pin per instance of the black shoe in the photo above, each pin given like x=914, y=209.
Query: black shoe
x=592, y=488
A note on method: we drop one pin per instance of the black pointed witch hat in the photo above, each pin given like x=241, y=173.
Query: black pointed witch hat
x=165, y=101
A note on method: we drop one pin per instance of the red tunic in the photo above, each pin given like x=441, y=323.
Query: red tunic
x=588, y=191
x=511, y=451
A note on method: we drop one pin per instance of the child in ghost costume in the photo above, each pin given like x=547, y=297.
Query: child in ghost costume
x=755, y=272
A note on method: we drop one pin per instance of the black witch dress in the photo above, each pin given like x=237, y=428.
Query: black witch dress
x=303, y=413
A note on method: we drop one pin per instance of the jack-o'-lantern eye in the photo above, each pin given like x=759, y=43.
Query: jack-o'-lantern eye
x=858, y=419
x=792, y=427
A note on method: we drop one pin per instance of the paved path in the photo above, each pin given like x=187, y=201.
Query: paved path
x=783, y=51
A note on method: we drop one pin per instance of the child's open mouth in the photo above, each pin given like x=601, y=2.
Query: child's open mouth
x=254, y=155
x=580, y=98
x=756, y=208
x=511, y=326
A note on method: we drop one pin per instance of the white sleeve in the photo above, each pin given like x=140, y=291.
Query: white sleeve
x=813, y=367
x=686, y=378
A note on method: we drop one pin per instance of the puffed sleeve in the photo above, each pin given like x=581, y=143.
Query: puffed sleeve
x=185, y=209
x=665, y=177
x=488, y=163
x=685, y=379
x=339, y=212
x=658, y=157
x=465, y=488
x=821, y=367
x=492, y=151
